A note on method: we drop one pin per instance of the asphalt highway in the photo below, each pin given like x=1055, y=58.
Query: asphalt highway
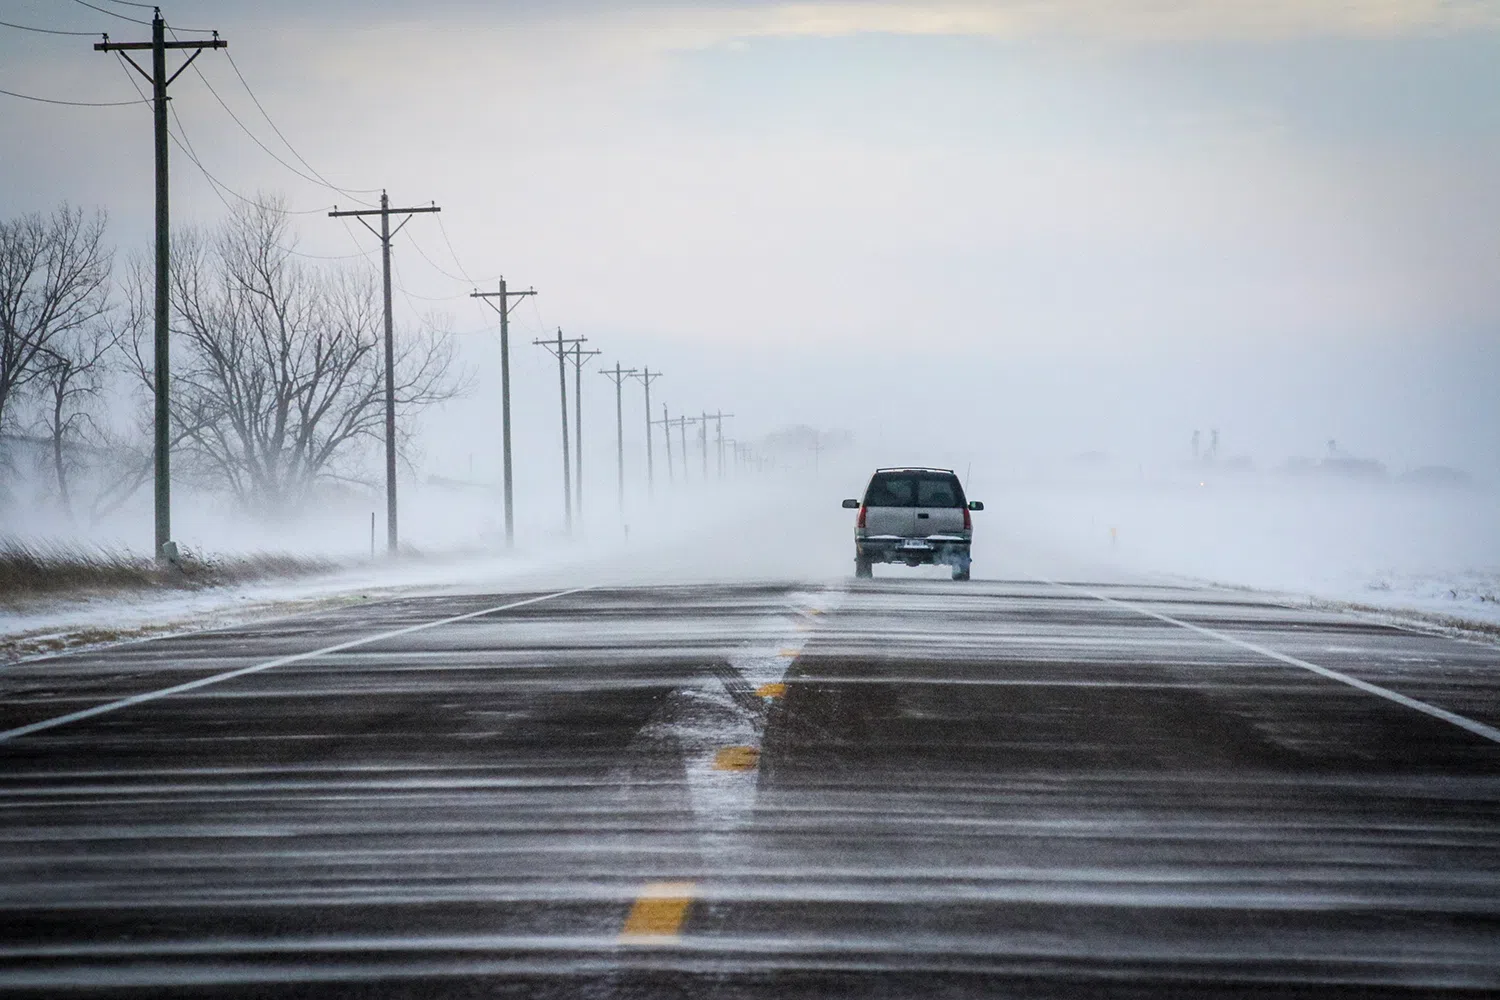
x=887, y=788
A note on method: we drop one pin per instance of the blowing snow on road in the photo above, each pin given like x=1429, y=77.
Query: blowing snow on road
x=895, y=787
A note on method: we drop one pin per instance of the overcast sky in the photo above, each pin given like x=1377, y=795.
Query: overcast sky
x=1083, y=225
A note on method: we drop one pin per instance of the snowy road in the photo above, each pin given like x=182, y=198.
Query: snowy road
x=891, y=788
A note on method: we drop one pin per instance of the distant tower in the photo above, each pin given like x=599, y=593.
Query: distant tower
x=1195, y=445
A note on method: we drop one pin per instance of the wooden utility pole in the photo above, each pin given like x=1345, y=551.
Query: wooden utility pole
x=646, y=378
x=618, y=376
x=703, y=440
x=580, y=357
x=384, y=234
x=666, y=433
x=734, y=451
x=559, y=349
x=159, y=81
x=503, y=308
x=682, y=423
x=719, y=423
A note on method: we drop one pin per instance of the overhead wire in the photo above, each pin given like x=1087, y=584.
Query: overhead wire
x=73, y=104
x=47, y=31
x=396, y=273
x=133, y=3
x=253, y=137
x=458, y=263
x=432, y=263
x=114, y=13
x=351, y=192
x=219, y=188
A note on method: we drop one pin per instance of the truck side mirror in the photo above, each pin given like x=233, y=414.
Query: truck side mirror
x=851, y=505
x=976, y=505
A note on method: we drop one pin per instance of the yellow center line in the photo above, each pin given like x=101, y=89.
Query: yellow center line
x=658, y=913
x=737, y=759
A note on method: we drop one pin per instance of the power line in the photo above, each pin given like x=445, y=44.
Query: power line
x=111, y=13
x=217, y=186
x=429, y=260
x=351, y=192
x=73, y=104
x=45, y=31
x=396, y=269
x=253, y=137
x=192, y=154
x=452, y=253
x=132, y=3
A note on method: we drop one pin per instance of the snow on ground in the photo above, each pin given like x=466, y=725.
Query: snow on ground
x=1431, y=554
x=1427, y=553
x=53, y=624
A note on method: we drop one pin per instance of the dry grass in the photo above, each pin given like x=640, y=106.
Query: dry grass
x=33, y=569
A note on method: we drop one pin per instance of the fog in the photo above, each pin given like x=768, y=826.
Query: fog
x=1045, y=251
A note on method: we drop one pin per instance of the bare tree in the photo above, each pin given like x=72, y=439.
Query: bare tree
x=73, y=377
x=54, y=284
x=277, y=362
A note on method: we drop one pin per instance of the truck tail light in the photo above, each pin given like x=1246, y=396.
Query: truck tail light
x=860, y=523
x=968, y=521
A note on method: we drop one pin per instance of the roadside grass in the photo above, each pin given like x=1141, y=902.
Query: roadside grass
x=43, y=569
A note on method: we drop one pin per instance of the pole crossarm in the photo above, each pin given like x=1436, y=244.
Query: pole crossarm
x=618, y=375
x=337, y=214
x=580, y=357
x=553, y=348
x=505, y=309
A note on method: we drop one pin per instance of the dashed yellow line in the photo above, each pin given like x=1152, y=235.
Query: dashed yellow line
x=775, y=689
x=737, y=759
x=658, y=913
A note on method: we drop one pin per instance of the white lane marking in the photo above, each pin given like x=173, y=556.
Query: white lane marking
x=1463, y=722
x=137, y=699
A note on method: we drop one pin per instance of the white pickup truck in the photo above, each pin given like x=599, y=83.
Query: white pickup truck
x=913, y=516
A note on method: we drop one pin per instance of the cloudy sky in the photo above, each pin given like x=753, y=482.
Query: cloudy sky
x=1095, y=224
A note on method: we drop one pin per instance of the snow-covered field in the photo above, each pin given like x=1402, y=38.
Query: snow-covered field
x=1431, y=552
x=1427, y=554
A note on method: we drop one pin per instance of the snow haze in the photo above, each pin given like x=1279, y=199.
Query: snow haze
x=1045, y=245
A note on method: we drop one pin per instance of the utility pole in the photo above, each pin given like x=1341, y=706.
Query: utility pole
x=646, y=378
x=666, y=432
x=384, y=235
x=618, y=376
x=580, y=356
x=558, y=348
x=719, y=423
x=703, y=440
x=682, y=423
x=504, y=309
x=159, y=81
x=734, y=451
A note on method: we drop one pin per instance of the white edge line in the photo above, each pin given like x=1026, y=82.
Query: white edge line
x=137, y=699
x=1463, y=722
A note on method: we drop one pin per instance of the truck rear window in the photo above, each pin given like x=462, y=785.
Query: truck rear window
x=914, y=489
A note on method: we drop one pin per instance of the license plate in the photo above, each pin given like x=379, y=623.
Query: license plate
x=923, y=546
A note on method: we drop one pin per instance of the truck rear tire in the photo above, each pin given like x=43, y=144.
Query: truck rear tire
x=961, y=572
